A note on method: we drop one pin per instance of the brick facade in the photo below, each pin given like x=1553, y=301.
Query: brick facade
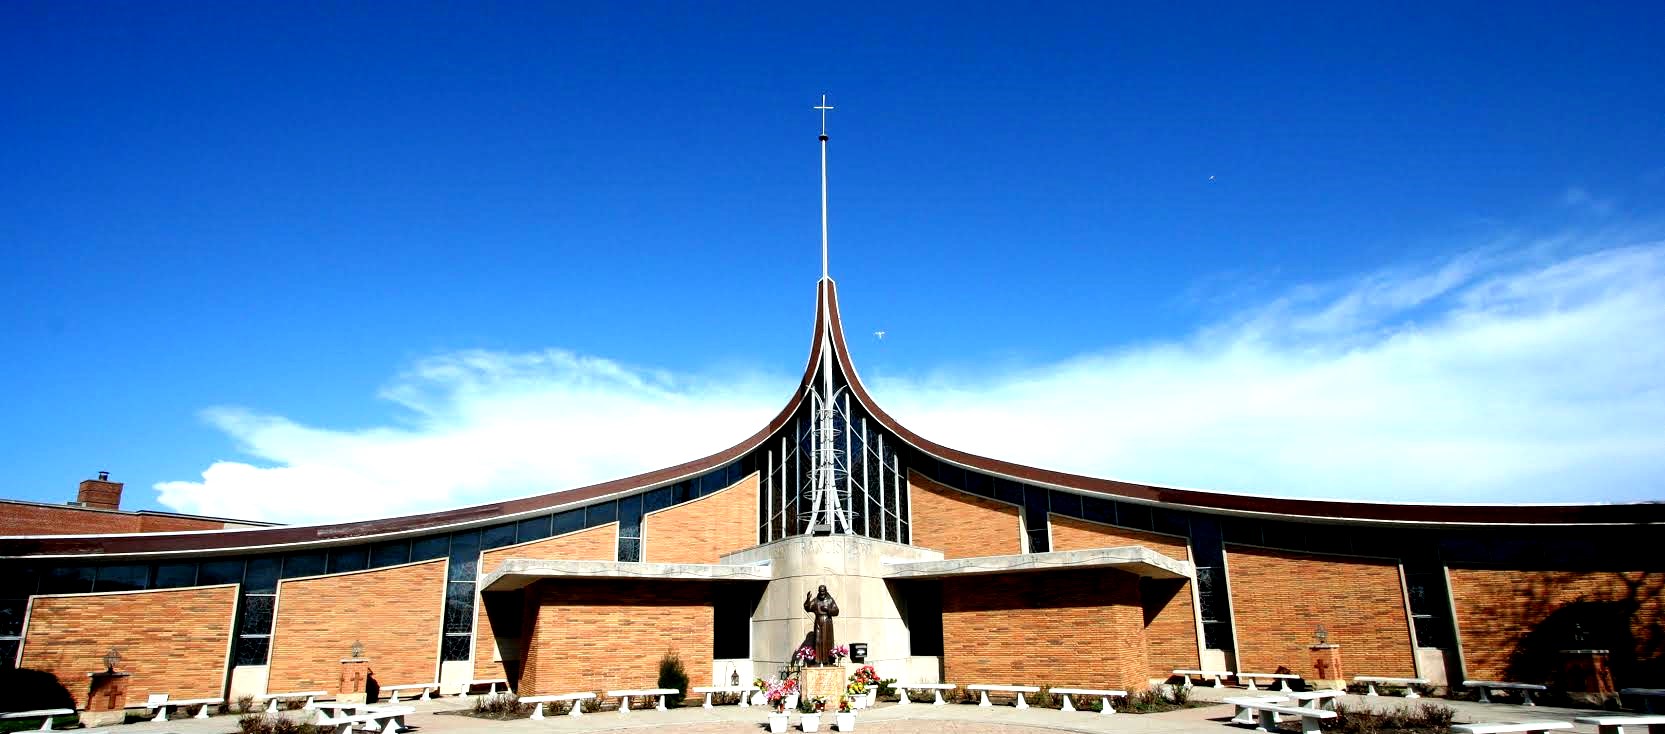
x=1067, y=628
x=599, y=543
x=959, y=524
x=174, y=642
x=395, y=612
x=1170, y=616
x=600, y=635
x=702, y=530
x=1279, y=598
x=1512, y=624
x=27, y=518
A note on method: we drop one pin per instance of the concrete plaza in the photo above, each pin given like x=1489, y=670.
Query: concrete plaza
x=440, y=717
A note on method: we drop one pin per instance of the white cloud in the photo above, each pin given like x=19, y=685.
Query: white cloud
x=1486, y=378
x=1477, y=380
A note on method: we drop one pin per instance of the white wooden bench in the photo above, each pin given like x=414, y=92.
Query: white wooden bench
x=1646, y=694
x=625, y=696
x=1248, y=707
x=1524, y=727
x=1370, y=681
x=1525, y=689
x=394, y=691
x=744, y=692
x=1283, y=679
x=936, y=688
x=272, y=699
x=577, y=700
x=340, y=709
x=469, y=686
x=160, y=702
x=984, y=688
x=1617, y=724
x=1216, y=675
x=1104, y=695
x=47, y=713
x=1319, y=699
x=384, y=719
x=1309, y=717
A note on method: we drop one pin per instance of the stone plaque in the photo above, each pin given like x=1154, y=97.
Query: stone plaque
x=827, y=682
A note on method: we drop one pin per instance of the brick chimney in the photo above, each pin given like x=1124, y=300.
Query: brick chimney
x=100, y=493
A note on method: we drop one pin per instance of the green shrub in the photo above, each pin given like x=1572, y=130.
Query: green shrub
x=269, y=724
x=673, y=675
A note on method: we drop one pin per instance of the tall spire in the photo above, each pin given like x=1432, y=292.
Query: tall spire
x=823, y=107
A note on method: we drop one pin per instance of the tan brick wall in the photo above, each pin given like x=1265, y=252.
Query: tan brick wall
x=1067, y=628
x=1070, y=533
x=174, y=642
x=1512, y=622
x=959, y=524
x=395, y=612
x=599, y=635
x=599, y=543
x=1170, y=617
x=1278, y=599
x=702, y=530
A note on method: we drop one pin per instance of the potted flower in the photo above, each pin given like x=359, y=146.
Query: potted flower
x=846, y=717
x=791, y=685
x=868, y=682
x=839, y=653
x=856, y=692
x=811, y=720
x=775, y=695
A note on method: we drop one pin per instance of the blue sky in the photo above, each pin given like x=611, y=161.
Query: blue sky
x=352, y=259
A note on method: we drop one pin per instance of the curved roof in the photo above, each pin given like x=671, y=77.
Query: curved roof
x=829, y=333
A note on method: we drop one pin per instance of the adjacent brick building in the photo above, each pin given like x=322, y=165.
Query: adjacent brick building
x=947, y=564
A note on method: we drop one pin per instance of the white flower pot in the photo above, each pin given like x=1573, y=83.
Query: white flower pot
x=847, y=721
x=778, y=722
x=792, y=702
x=810, y=722
x=872, y=696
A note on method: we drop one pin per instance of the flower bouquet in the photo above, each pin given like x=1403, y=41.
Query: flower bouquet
x=811, y=720
x=865, y=682
x=846, y=716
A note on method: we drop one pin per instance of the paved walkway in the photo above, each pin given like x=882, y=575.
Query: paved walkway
x=885, y=719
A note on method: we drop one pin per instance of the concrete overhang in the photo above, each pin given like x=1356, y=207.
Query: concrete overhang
x=517, y=573
x=1134, y=559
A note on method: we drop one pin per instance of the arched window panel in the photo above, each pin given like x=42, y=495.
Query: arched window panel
x=832, y=470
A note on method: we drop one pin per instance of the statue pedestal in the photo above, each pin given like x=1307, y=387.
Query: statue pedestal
x=1586, y=678
x=827, y=682
x=1326, y=662
x=106, y=699
x=355, y=678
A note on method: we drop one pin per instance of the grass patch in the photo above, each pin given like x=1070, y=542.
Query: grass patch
x=265, y=724
x=58, y=722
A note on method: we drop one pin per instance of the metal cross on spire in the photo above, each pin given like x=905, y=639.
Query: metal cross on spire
x=823, y=107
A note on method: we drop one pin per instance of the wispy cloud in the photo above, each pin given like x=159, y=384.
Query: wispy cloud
x=1577, y=197
x=1496, y=376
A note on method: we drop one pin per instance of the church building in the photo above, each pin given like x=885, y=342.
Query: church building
x=948, y=566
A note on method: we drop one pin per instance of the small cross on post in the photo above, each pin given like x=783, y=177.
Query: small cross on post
x=823, y=107
x=1319, y=664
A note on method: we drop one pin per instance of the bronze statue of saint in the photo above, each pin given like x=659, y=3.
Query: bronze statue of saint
x=824, y=609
